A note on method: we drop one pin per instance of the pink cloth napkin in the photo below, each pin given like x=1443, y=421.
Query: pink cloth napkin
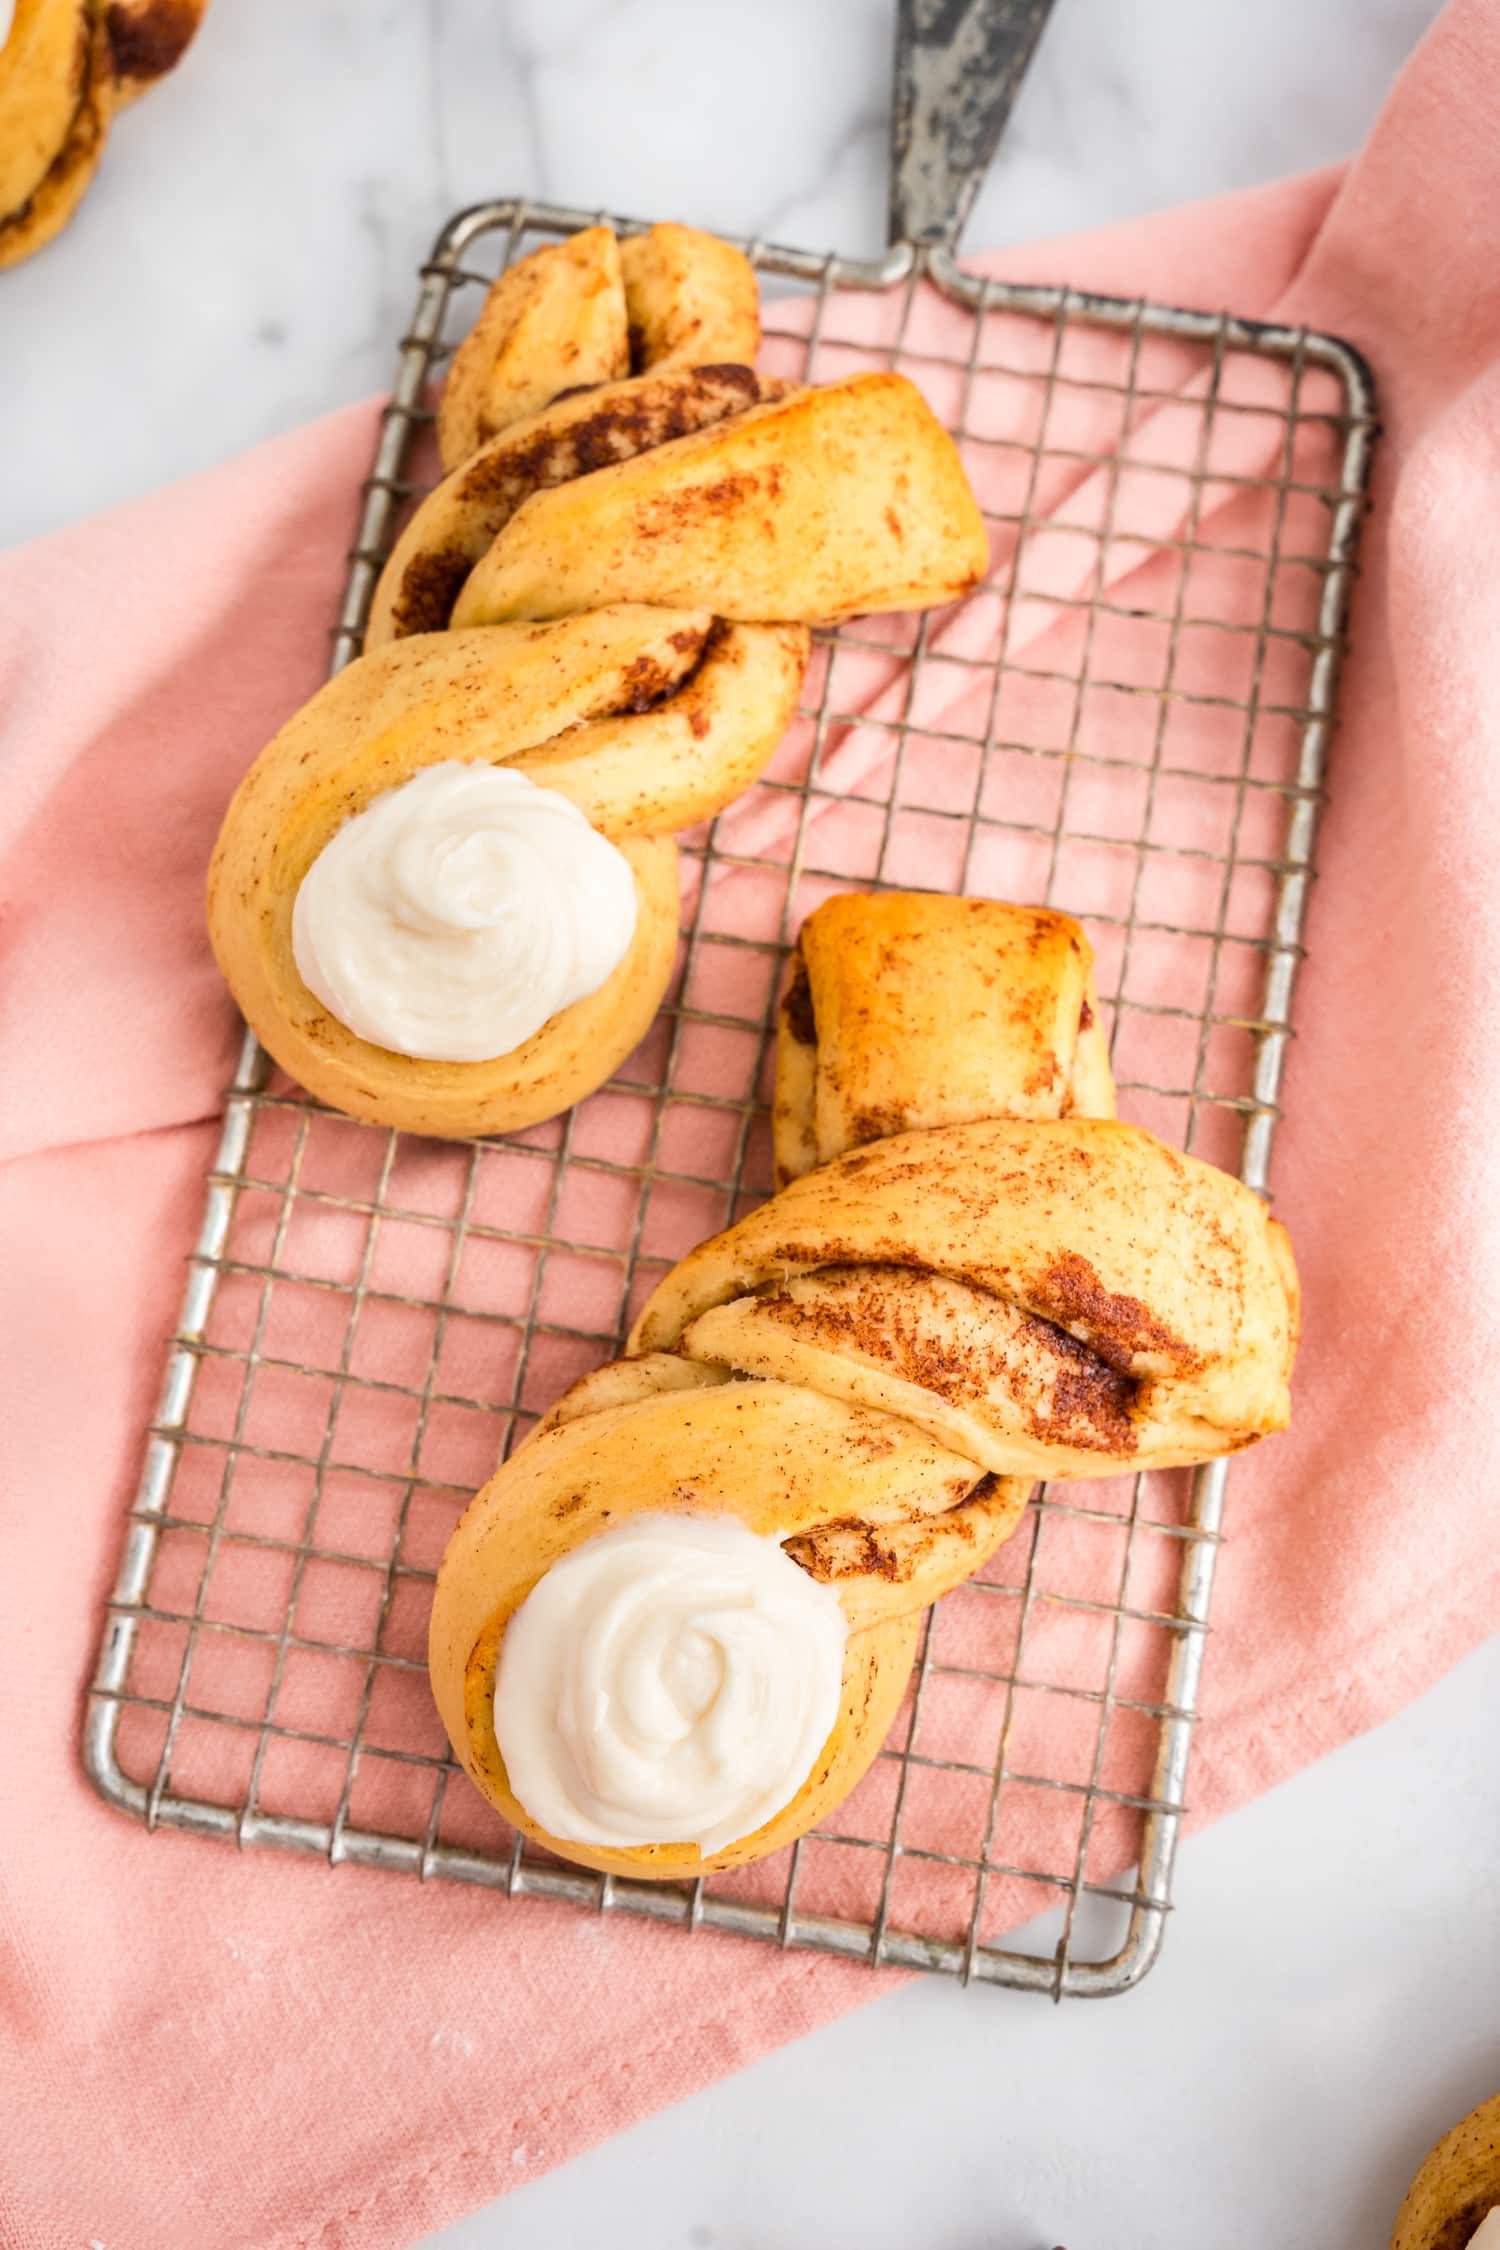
x=255, y=2050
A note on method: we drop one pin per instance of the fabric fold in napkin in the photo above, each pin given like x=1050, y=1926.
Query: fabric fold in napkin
x=252, y=2050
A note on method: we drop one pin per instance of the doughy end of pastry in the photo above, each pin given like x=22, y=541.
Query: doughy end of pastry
x=691, y=299
x=907, y=1010
x=877, y=1667
x=886, y=1517
x=552, y=320
x=823, y=505
x=56, y=100
x=1066, y=1298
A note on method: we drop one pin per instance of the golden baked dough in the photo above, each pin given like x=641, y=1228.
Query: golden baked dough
x=452, y=529
x=871, y=1369
x=66, y=67
x=584, y=312
x=907, y=1009
x=1457, y=2186
x=55, y=107
x=573, y=483
x=1062, y=1299
x=648, y=713
x=873, y=1366
x=46, y=65
x=690, y=299
x=552, y=320
x=829, y=503
x=788, y=1463
x=555, y=702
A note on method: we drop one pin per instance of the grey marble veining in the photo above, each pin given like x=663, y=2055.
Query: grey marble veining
x=247, y=253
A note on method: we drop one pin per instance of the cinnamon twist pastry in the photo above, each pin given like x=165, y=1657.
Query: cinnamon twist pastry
x=445, y=897
x=66, y=68
x=863, y=1376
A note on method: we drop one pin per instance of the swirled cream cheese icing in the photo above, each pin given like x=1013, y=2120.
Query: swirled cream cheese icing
x=459, y=911
x=668, y=1681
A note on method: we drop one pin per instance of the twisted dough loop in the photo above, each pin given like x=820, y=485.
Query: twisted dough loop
x=1063, y=1299
x=455, y=525
x=554, y=703
x=691, y=479
x=577, y=313
x=789, y=1464
x=650, y=710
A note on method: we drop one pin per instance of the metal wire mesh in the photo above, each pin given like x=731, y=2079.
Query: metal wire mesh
x=1129, y=722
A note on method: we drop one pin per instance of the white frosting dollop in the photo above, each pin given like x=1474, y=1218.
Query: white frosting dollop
x=670, y=1681
x=456, y=913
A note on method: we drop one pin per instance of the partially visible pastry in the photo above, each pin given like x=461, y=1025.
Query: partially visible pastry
x=906, y=1009
x=55, y=108
x=856, y=1383
x=584, y=312
x=66, y=68
x=1454, y=2201
x=147, y=38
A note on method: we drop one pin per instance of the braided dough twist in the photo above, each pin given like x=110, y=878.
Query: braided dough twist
x=610, y=592
x=874, y=1365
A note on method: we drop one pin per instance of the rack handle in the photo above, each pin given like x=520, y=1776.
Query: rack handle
x=959, y=66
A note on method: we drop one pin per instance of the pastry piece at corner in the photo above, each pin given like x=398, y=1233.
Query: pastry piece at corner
x=67, y=67
x=908, y=1009
x=55, y=108
x=1454, y=2201
x=856, y=1383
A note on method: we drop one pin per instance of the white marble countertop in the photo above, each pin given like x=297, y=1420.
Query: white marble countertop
x=1325, y=2003
x=247, y=254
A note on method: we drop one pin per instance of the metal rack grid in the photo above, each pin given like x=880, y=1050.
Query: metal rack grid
x=322, y=1423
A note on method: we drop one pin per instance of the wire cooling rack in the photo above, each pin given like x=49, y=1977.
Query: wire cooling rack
x=369, y=1320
